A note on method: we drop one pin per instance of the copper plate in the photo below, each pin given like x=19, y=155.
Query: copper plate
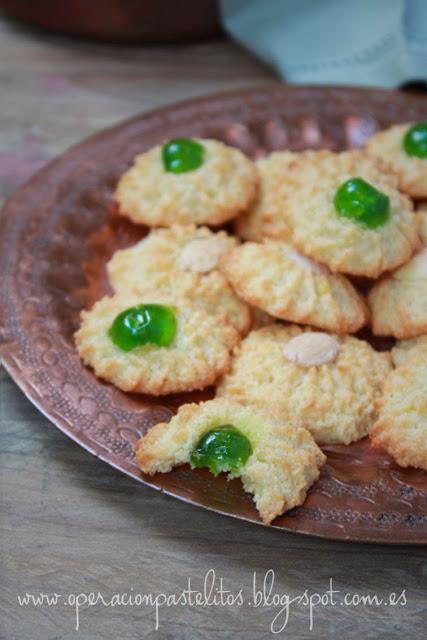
x=57, y=232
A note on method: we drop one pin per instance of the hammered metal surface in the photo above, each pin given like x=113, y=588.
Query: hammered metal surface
x=59, y=229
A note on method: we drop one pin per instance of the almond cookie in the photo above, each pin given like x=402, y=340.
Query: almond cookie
x=217, y=187
x=276, y=461
x=398, y=302
x=183, y=260
x=286, y=284
x=406, y=350
x=271, y=201
x=389, y=145
x=325, y=383
x=177, y=348
x=345, y=211
x=401, y=428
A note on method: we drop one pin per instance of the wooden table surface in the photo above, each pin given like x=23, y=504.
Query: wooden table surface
x=73, y=525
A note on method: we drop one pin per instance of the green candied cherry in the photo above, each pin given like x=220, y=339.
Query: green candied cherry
x=181, y=155
x=415, y=140
x=224, y=448
x=359, y=201
x=143, y=324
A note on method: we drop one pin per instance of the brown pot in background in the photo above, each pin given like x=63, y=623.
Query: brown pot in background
x=122, y=20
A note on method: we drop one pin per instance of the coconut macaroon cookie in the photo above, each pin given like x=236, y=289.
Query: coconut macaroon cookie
x=404, y=148
x=270, y=204
x=154, y=343
x=398, y=302
x=325, y=383
x=346, y=212
x=402, y=425
x=184, y=260
x=286, y=284
x=187, y=181
x=276, y=461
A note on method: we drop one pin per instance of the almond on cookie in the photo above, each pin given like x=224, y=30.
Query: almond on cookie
x=325, y=383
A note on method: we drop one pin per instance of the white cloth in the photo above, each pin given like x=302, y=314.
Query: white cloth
x=353, y=42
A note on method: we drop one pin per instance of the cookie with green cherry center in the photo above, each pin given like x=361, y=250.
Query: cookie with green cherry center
x=345, y=211
x=276, y=461
x=404, y=148
x=186, y=181
x=154, y=343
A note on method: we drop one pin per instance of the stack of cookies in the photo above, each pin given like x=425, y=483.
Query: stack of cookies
x=323, y=245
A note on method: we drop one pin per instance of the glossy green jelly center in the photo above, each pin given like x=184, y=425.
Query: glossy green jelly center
x=224, y=448
x=145, y=323
x=361, y=202
x=415, y=140
x=181, y=155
